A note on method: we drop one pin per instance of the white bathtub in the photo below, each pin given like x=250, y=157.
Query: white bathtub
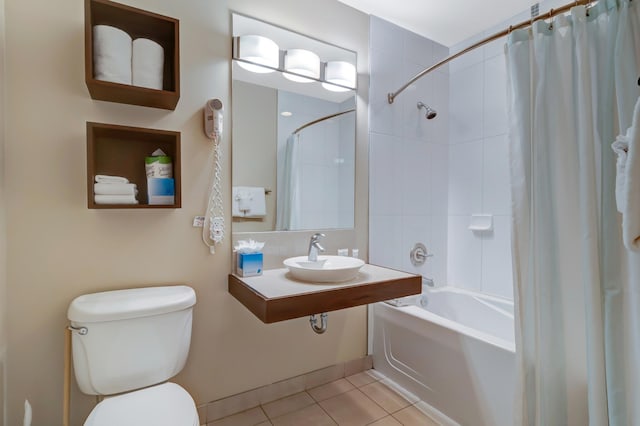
x=456, y=354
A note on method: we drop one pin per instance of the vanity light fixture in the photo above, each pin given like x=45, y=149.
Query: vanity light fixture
x=339, y=76
x=286, y=113
x=301, y=63
x=262, y=54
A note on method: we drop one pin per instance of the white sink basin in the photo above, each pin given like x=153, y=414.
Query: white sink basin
x=328, y=269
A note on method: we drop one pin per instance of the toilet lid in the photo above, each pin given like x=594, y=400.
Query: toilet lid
x=162, y=405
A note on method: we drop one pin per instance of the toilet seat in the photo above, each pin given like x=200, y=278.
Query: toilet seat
x=166, y=404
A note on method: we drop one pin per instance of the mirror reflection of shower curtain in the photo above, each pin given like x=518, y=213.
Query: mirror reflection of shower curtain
x=288, y=209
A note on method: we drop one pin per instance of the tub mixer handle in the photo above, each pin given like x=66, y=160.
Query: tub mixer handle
x=419, y=254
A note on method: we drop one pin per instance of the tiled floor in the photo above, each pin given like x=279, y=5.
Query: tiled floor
x=361, y=399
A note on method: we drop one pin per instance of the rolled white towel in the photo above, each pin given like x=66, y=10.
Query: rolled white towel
x=115, y=189
x=115, y=199
x=111, y=179
x=147, y=63
x=111, y=54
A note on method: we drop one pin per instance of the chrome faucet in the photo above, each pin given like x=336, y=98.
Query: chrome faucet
x=315, y=247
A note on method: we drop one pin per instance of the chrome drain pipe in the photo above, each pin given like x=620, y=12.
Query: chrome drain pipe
x=323, y=323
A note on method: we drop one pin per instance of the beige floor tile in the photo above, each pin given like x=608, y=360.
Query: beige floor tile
x=386, y=421
x=361, y=379
x=287, y=405
x=330, y=389
x=353, y=408
x=312, y=415
x=246, y=418
x=385, y=397
x=267, y=423
x=411, y=416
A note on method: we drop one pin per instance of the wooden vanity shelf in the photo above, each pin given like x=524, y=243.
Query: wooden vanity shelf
x=120, y=151
x=275, y=296
x=137, y=23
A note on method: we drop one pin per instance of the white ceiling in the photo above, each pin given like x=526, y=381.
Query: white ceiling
x=445, y=21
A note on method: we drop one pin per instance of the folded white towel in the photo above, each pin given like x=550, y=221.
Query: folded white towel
x=111, y=179
x=248, y=201
x=115, y=189
x=115, y=199
x=147, y=63
x=628, y=181
x=111, y=54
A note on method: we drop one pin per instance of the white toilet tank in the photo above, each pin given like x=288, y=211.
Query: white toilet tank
x=129, y=339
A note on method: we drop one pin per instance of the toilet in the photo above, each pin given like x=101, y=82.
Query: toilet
x=126, y=344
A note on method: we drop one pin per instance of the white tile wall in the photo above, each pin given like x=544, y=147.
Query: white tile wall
x=408, y=153
x=479, y=170
x=427, y=177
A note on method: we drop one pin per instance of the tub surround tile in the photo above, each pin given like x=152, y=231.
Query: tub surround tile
x=412, y=416
x=311, y=415
x=386, y=397
x=331, y=389
x=246, y=418
x=288, y=405
x=353, y=408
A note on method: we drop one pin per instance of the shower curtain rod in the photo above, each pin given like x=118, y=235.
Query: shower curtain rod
x=553, y=12
x=311, y=123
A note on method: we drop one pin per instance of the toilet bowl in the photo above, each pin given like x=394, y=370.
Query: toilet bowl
x=126, y=344
x=162, y=405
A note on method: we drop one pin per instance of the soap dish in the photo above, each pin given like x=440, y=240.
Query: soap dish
x=481, y=222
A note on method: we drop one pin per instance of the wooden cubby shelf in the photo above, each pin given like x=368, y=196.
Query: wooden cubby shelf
x=137, y=23
x=120, y=151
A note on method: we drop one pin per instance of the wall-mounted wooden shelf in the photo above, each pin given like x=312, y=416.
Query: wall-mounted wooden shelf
x=137, y=23
x=275, y=296
x=120, y=151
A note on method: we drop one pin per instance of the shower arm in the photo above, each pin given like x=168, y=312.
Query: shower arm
x=524, y=24
x=311, y=123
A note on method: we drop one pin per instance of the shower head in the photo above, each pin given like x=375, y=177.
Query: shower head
x=430, y=113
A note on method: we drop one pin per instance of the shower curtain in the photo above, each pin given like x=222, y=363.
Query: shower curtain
x=573, y=86
x=288, y=202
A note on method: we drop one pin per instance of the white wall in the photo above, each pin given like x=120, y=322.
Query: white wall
x=408, y=153
x=58, y=249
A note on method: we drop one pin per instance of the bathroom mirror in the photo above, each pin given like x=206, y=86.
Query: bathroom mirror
x=293, y=133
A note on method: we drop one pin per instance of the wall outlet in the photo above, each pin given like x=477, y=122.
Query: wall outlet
x=198, y=221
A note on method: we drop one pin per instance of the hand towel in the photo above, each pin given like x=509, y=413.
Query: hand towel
x=111, y=54
x=147, y=63
x=631, y=186
x=115, y=189
x=620, y=147
x=111, y=179
x=115, y=199
x=249, y=201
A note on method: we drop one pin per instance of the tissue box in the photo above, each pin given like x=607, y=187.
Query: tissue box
x=249, y=264
x=161, y=191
